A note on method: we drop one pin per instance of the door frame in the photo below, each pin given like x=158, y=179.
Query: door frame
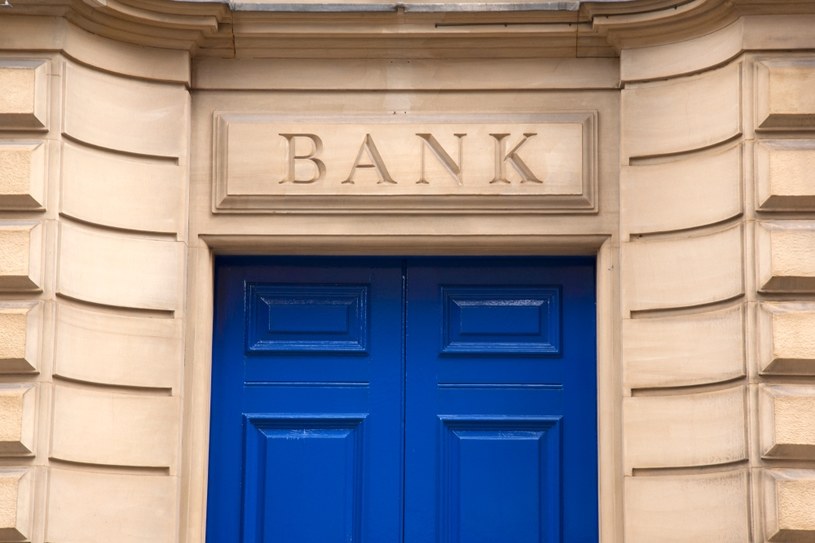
x=198, y=342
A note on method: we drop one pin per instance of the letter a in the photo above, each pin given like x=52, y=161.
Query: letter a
x=377, y=163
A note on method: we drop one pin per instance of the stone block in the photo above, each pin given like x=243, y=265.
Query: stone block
x=692, y=191
x=126, y=114
x=20, y=330
x=786, y=343
x=784, y=97
x=784, y=178
x=682, y=430
x=787, y=422
x=24, y=100
x=118, y=269
x=684, y=508
x=681, y=114
x=139, y=193
x=22, y=175
x=128, y=429
x=785, y=256
x=682, y=271
x=117, y=349
x=21, y=257
x=789, y=500
x=16, y=512
x=17, y=414
x=103, y=507
x=683, y=350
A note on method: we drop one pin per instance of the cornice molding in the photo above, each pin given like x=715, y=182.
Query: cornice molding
x=268, y=28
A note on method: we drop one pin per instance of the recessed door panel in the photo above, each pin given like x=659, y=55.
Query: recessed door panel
x=404, y=400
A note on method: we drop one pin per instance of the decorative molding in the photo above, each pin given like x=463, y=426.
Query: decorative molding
x=537, y=162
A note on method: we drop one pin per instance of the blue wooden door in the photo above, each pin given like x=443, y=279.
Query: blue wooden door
x=403, y=400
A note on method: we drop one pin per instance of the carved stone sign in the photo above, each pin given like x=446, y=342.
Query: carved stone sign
x=523, y=162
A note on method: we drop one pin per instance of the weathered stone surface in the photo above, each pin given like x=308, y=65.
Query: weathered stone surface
x=683, y=350
x=784, y=98
x=22, y=175
x=20, y=333
x=16, y=512
x=785, y=256
x=788, y=421
x=682, y=271
x=683, y=508
x=695, y=429
x=17, y=414
x=783, y=172
x=789, y=499
x=786, y=344
x=128, y=429
x=24, y=100
x=21, y=257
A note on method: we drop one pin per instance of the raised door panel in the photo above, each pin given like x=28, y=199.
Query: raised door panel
x=306, y=439
x=500, y=429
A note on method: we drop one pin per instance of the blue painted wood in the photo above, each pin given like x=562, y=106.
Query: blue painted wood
x=403, y=400
x=523, y=465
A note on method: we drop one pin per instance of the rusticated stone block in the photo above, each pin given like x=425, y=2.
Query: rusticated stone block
x=681, y=114
x=102, y=267
x=128, y=429
x=785, y=256
x=139, y=117
x=139, y=193
x=17, y=406
x=22, y=175
x=117, y=349
x=21, y=257
x=684, y=508
x=102, y=507
x=680, y=430
x=15, y=505
x=788, y=422
x=784, y=97
x=20, y=327
x=24, y=100
x=789, y=502
x=682, y=271
x=786, y=344
x=683, y=350
x=694, y=190
x=783, y=172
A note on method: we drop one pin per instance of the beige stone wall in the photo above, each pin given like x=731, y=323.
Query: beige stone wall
x=717, y=265
x=92, y=190
x=705, y=232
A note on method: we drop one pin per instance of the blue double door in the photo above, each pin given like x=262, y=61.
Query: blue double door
x=418, y=400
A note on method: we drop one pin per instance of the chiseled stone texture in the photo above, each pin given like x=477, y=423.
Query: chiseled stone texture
x=103, y=507
x=683, y=271
x=783, y=172
x=694, y=429
x=788, y=421
x=789, y=504
x=691, y=191
x=17, y=414
x=128, y=429
x=785, y=256
x=24, y=100
x=681, y=114
x=22, y=175
x=117, y=348
x=139, y=193
x=693, y=349
x=129, y=115
x=785, y=100
x=21, y=257
x=786, y=342
x=15, y=505
x=688, y=508
x=104, y=267
x=20, y=330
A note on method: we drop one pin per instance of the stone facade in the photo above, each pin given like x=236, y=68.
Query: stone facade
x=124, y=129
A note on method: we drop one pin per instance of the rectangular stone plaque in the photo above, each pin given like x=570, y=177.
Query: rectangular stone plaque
x=520, y=162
